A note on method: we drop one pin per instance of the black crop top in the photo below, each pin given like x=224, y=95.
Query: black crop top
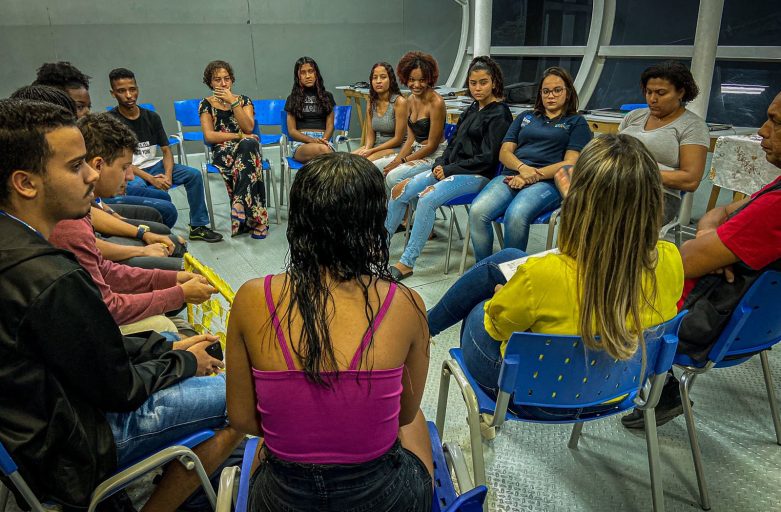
x=420, y=128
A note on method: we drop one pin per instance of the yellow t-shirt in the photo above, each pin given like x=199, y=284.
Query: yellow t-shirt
x=542, y=296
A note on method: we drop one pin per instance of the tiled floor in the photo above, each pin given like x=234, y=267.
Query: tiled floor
x=529, y=466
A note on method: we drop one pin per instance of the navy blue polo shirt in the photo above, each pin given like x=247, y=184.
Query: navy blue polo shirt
x=542, y=141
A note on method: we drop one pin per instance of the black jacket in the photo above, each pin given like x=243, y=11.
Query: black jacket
x=474, y=148
x=64, y=362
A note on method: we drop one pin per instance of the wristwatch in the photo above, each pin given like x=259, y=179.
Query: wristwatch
x=142, y=228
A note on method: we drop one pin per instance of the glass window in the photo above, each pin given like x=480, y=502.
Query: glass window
x=662, y=22
x=758, y=25
x=540, y=23
x=742, y=91
x=619, y=82
x=529, y=69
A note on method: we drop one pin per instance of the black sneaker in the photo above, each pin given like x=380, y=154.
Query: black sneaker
x=669, y=407
x=205, y=234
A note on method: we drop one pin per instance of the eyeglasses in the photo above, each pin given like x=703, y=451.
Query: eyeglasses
x=556, y=91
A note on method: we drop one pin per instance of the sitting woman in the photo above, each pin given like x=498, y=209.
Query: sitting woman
x=227, y=121
x=538, y=143
x=328, y=360
x=310, y=112
x=425, y=120
x=386, y=112
x=612, y=278
x=468, y=163
x=677, y=138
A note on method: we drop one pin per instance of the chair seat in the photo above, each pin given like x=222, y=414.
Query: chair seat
x=461, y=200
x=193, y=136
x=534, y=414
x=190, y=441
x=173, y=141
x=212, y=169
x=541, y=219
x=270, y=139
x=293, y=164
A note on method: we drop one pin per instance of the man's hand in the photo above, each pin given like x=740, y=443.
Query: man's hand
x=196, y=291
x=150, y=238
x=183, y=277
x=206, y=363
x=727, y=272
x=169, y=179
x=439, y=172
x=155, y=251
x=186, y=343
x=160, y=182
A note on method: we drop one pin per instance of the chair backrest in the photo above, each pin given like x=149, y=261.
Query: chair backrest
x=755, y=325
x=283, y=124
x=186, y=113
x=628, y=107
x=342, y=115
x=267, y=111
x=450, y=130
x=148, y=106
x=561, y=372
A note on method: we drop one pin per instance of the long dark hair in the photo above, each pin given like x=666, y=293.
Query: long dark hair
x=297, y=93
x=571, y=106
x=489, y=65
x=336, y=231
x=393, y=87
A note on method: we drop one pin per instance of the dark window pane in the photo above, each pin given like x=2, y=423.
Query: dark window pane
x=540, y=22
x=756, y=25
x=742, y=91
x=529, y=69
x=657, y=23
x=619, y=82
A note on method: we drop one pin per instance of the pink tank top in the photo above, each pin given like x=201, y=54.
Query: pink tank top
x=353, y=421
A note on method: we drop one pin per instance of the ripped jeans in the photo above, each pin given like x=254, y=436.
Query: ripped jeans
x=430, y=194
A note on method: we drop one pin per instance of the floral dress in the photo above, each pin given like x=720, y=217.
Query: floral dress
x=240, y=165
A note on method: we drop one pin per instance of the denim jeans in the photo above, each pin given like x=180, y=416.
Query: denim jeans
x=519, y=207
x=441, y=192
x=193, y=404
x=148, y=196
x=192, y=181
x=397, y=481
x=413, y=168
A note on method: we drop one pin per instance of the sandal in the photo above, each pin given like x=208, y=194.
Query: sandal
x=397, y=275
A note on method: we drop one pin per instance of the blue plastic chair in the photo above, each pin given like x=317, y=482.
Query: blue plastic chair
x=234, y=481
x=628, y=107
x=753, y=328
x=551, y=376
x=342, y=115
x=267, y=113
x=186, y=113
x=180, y=450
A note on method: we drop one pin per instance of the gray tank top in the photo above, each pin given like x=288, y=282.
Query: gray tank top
x=384, y=126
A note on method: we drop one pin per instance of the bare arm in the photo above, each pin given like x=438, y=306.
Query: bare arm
x=168, y=164
x=297, y=135
x=242, y=402
x=109, y=225
x=416, y=364
x=214, y=137
x=117, y=252
x=329, y=126
x=245, y=115
x=370, y=135
x=705, y=254
x=688, y=177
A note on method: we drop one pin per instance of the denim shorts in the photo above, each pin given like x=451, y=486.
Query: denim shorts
x=397, y=481
x=295, y=144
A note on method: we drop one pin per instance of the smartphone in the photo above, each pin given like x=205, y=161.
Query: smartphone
x=215, y=350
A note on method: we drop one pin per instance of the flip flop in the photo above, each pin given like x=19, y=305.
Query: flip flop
x=397, y=275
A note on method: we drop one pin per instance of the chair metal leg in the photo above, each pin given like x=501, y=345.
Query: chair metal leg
x=499, y=235
x=654, y=467
x=444, y=390
x=465, y=249
x=678, y=235
x=771, y=394
x=551, y=231
x=271, y=189
x=208, y=192
x=449, y=239
x=458, y=226
x=577, y=428
x=687, y=379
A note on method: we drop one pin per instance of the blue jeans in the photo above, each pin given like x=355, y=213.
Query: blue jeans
x=415, y=167
x=148, y=196
x=441, y=191
x=192, y=181
x=519, y=207
x=464, y=302
x=172, y=413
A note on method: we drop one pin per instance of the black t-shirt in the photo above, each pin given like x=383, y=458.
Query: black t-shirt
x=150, y=133
x=314, y=115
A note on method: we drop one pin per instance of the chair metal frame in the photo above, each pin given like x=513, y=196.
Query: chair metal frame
x=753, y=328
x=520, y=371
x=180, y=451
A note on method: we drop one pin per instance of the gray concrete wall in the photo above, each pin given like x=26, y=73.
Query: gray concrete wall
x=168, y=43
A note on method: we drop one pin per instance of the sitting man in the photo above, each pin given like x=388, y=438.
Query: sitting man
x=148, y=247
x=151, y=170
x=136, y=297
x=745, y=233
x=78, y=399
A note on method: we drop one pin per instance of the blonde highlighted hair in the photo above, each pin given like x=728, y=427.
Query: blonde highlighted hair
x=610, y=223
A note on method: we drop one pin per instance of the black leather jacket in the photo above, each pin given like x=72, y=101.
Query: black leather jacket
x=64, y=362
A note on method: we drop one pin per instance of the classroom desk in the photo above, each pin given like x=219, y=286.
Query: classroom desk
x=359, y=97
x=739, y=164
